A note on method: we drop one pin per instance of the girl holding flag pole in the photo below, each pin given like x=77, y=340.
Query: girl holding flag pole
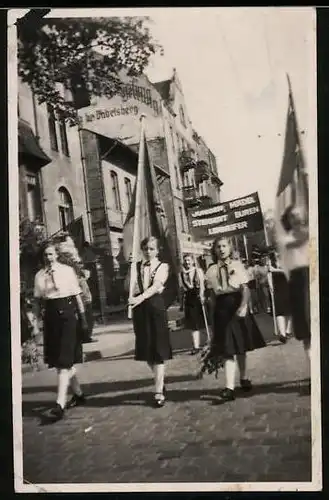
x=150, y=315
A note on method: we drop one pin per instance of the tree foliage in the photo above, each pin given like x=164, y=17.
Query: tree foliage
x=31, y=237
x=67, y=51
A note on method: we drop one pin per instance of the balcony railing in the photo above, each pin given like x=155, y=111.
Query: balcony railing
x=191, y=196
x=202, y=172
x=206, y=200
x=186, y=160
x=216, y=180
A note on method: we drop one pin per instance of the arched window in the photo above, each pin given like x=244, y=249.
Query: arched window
x=115, y=191
x=182, y=116
x=65, y=208
x=128, y=190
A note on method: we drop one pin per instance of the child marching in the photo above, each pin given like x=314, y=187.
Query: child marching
x=193, y=282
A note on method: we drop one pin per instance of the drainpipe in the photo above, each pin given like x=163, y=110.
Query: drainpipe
x=84, y=173
x=43, y=199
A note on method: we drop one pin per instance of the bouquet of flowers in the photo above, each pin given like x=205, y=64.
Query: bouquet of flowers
x=210, y=362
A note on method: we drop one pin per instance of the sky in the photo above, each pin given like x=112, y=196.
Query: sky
x=232, y=64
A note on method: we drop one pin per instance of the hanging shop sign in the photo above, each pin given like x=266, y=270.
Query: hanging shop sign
x=119, y=116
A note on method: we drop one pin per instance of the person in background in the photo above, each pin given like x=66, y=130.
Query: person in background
x=297, y=258
x=253, y=302
x=261, y=274
x=152, y=336
x=88, y=301
x=69, y=255
x=192, y=279
x=57, y=289
x=281, y=298
x=234, y=329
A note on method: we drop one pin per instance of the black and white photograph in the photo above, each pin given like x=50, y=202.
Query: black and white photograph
x=165, y=331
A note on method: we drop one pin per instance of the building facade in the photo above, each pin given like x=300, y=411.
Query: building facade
x=60, y=192
x=89, y=171
x=193, y=168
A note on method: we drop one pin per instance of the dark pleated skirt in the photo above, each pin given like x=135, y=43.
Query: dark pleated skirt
x=300, y=302
x=62, y=342
x=231, y=334
x=193, y=318
x=281, y=294
x=152, y=336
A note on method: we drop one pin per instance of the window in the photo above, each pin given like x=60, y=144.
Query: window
x=178, y=142
x=182, y=116
x=65, y=208
x=128, y=190
x=203, y=189
x=63, y=134
x=172, y=137
x=52, y=128
x=115, y=191
x=177, y=177
x=33, y=197
x=182, y=221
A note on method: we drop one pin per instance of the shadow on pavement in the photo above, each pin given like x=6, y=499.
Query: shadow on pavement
x=120, y=385
x=35, y=409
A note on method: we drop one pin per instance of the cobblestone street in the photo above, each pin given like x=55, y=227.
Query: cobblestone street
x=117, y=437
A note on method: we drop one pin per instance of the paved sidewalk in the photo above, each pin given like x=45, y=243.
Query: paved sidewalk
x=118, y=437
x=115, y=338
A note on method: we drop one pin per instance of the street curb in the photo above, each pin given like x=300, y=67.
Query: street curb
x=105, y=351
x=109, y=351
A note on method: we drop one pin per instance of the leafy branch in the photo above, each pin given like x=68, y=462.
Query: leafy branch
x=82, y=54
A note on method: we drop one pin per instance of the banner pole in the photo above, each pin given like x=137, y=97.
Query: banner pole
x=245, y=247
x=135, y=249
x=202, y=305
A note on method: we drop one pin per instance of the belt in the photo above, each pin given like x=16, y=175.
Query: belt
x=60, y=301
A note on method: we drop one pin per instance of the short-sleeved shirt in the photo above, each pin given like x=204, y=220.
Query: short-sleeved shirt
x=58, y=282
x=226, y=278
x=296, y=257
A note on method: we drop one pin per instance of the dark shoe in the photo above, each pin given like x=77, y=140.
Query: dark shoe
x=283, y=339
x=76, y=401
x=56, y=413
x=159, y=402
x=227, y=395
x=246, y=385
x=195, y=351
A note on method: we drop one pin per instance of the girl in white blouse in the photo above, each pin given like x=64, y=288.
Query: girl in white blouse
x=57, y=290
x=192, y=279
x=152, y=336
x=296, y=241
x=234, y=329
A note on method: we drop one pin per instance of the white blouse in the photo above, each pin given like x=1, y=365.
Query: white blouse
x=227, y=278
x=58, y=282
x=296, y=257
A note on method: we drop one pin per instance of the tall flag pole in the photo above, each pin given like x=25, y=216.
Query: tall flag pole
x=146, y=217
x=137, y=213
x=293, y=182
